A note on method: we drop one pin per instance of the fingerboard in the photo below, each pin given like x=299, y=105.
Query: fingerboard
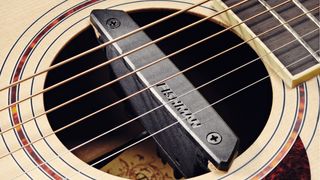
x=287, y=35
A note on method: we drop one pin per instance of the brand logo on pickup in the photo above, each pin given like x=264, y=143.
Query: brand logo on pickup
x=179, y=105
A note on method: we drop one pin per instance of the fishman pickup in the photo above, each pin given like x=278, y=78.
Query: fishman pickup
x=201, y=134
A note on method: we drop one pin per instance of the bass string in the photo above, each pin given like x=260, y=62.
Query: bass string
x=158, y=131
x=131, y=120
x=105, y=44
x=148, y=87
x=250, y=62
x=133, y=72
x=174, y=75
x=118, y=57
x=303, y=9
x=186, y=93
x=179, y=120
x=175, y=123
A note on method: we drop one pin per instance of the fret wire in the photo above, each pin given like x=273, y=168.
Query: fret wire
x=162, y=105
x=304, y=9
x=120, y=56
x=146, y=88
x=293, y=63
x=291, y=30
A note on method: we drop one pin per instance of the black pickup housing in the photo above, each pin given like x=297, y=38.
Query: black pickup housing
x=184, y=146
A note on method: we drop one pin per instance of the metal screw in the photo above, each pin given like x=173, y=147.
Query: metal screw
x=113, y=23
x=214, y=138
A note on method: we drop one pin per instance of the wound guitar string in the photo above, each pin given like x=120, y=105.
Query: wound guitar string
x=116, y=58
x=132, y=72
x=210, y=82
x=129, y=96
x=104, y=44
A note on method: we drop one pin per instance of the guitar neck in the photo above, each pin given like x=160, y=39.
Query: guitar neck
x=285, y=22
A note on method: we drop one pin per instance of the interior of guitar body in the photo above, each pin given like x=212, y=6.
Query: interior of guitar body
x=245, y=113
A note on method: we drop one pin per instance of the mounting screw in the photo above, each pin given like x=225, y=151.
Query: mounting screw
x=113, y=23
x=214, y=138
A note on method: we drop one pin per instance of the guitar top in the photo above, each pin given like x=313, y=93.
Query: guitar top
x=224, y=90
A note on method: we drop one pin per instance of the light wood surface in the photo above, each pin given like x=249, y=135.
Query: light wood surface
x=21, y=22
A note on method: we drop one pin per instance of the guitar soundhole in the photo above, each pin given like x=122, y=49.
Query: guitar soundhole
x=246, y=112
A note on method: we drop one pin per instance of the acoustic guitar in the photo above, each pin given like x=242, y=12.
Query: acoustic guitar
x=239, y=81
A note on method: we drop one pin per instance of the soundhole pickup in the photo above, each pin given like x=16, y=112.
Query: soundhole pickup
x=201, y=134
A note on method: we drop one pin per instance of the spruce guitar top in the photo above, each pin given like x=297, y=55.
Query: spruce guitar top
x=162, y=89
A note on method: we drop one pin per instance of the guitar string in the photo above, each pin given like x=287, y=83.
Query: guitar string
x=133, y=72
x=175, y=123
x=118, y=57
x=154, y=109
x=105, y=44
x=189, y=68
x=290, y=29
x=167, y=127
x=174, y=75
x=303, y=9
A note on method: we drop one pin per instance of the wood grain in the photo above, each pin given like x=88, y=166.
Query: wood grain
x=294, y=111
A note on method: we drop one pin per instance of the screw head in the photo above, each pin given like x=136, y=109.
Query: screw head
x=214, y=138
x=113, y=23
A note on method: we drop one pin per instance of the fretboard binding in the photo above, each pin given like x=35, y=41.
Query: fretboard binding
x=305, y=10
x=290, y=29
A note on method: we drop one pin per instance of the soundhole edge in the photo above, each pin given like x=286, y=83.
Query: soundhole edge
x=246, y=112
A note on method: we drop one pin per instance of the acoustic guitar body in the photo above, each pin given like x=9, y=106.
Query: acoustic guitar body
x=277, y=125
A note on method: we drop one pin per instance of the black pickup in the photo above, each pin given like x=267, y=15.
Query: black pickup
x=201, y=134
